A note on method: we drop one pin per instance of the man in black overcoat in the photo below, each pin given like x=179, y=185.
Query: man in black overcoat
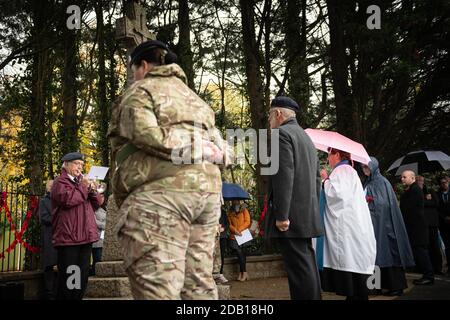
x=293, y=217
x=412, y=207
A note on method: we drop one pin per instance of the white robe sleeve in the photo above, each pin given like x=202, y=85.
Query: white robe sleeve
x=335, y=189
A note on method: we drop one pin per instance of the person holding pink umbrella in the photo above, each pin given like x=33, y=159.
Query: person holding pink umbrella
x=350, y=246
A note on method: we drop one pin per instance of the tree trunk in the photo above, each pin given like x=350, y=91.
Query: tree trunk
x=50, y=117
x=255, y=85
x=69, y=136
x=296, y=52
x=339, y=69
x=103, y=105
x=222, y=122
x=184, y=43
x=267, y=47
x=35, y=124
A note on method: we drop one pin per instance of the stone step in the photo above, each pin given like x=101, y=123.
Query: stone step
x=110, y=269
x=112, y=287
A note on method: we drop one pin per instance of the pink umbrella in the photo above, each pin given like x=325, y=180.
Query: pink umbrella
x=328, y=139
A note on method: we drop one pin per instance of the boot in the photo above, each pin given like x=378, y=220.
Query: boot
x=244, y=276
x=240, y=276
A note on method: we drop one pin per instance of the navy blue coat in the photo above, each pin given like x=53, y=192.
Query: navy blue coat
x=393, y=248
x=49, y=254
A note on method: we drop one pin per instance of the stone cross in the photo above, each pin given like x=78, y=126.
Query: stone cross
x=110, y=280
x=131, y=30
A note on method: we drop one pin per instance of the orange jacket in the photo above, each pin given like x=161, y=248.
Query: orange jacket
x=239, y=221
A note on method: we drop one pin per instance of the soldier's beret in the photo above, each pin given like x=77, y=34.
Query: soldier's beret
x=73, y=156
x=144, y=47
x=284, y=102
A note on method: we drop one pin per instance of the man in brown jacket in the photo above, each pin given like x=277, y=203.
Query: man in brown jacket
x=74, y=200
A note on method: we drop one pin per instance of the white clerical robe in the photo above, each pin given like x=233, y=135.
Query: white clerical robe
x=350, y=243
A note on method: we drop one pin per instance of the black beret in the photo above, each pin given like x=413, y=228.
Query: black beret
x=73, y=156
x=146, y=46
x=285, y=102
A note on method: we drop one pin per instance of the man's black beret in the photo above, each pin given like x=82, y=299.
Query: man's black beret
x=284, y=102
x=144, y=47
x=73, y=156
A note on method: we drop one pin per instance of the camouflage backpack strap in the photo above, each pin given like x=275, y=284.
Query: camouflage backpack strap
x=127, y=150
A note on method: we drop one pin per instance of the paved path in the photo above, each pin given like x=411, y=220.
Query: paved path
x=278, y=289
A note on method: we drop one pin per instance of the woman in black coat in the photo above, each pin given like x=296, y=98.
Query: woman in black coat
x=49, y=254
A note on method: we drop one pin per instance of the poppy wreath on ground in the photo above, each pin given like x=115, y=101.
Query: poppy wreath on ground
x=18, y=234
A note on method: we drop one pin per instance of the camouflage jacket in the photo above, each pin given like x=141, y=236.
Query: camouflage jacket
x=160, y=116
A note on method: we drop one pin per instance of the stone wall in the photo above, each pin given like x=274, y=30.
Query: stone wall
x=265, y=266
x=33, y=282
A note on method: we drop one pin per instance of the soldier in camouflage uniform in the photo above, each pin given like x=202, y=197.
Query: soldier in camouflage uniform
x=169, y=212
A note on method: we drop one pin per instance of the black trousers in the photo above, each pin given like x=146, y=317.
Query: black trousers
x=50, y=282
x=240, y=253
x=71, y=284
x=96, y=257
x=435, y=250
x=445, y=235
x=223, y=247
x=300, y=263
x=423, y=261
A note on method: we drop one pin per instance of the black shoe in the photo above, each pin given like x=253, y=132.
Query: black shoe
x=393, y=293
x=375, y=292
x=423, y=281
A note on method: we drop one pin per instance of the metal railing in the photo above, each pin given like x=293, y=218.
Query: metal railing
x=14, y=256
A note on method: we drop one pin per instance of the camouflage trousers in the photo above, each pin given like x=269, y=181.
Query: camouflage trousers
x=168, y=242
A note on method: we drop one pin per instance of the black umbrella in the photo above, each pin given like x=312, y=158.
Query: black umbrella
x=420, y=162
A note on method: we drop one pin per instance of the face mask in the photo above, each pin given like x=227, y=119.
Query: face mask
x=237, y=207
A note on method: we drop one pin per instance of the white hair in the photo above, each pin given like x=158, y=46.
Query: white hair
x=287, y=113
